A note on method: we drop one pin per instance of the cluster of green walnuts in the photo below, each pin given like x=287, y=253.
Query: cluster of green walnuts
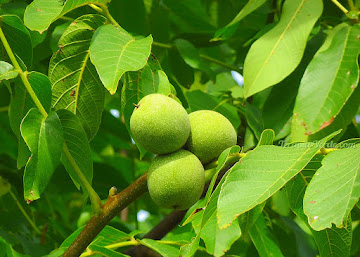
x=183, y=143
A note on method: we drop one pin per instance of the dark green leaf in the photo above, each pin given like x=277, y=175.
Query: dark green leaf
x=199, y=100
x=18, y=38
x=44, y=137
x=78, y=145
x=263, y=239
x=227, y=31
x=21, y=103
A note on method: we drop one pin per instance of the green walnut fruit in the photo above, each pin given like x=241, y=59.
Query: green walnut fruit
x=211, y=133
x=160, y=124
x=176, y=180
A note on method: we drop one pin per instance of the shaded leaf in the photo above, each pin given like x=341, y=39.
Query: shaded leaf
x=4, y=187
x=44, y=137
x=18, y=38
x=78, y=145
x=263, y=239
x=199, y=100
x=75, y=82
x=41, y=13
x=330, y=79
x=7, y=71
x=277, y=53
x=261, y=173
x=114, y=51
x=21, y=103
x=192, y=57
x=205, y=217
x=227, y=31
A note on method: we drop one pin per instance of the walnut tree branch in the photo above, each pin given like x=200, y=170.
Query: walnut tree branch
x=111, y=208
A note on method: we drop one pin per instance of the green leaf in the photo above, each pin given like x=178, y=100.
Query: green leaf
x=227, y=31
x=263, y=239
x=181, y=72
x=204, y=217
x=327, y=238
x=44, y=137
x=267, y=137
x=21, y=103
x=4, y=187
x=77, y=142
x=105, y=251
x=330, y=79
x=334, y=189
x=9, y=143
x=192, y=57
x=7, y=71
x=18, y=38
x=218, y=241
x=41, y=13
x=107, y=236
x=277, y=53
x=261, y=173
x=148, y=80
x=199, y=100
x=114, y=51
x=343, y=119
x=76, y=84
x=163, y=249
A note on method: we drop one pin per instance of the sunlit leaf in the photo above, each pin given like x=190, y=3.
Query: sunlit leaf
x=7, y=71
x=41, y=13
x=329, y=80
x=261, y=173
x=327, y=238
x=114, y=51
x=334, y=189
x=277, y=53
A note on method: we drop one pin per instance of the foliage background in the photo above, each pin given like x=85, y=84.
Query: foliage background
x=196, y=50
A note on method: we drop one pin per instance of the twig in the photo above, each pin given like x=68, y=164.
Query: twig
x=24, y=213
x=111, y=208
x=351, y=5
x=340, y=6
